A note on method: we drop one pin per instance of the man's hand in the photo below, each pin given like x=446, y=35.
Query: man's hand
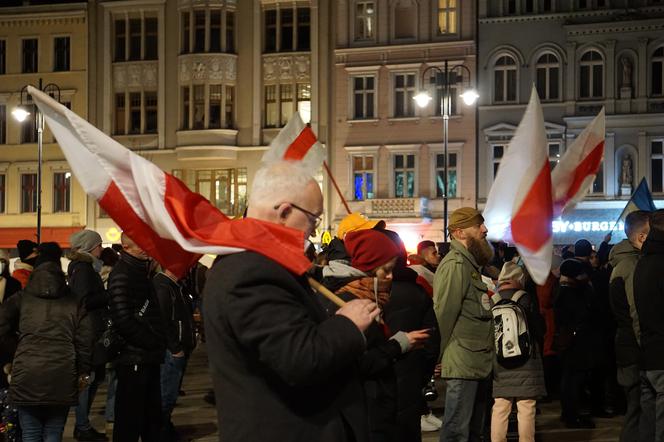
x=438, y=370
x=361, y=311
x=417, y=338
x=179, y=354
x=607, y=237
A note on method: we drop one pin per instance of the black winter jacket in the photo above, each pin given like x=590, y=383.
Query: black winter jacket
x=54, y=345
x=177, y=313
x=281, y=369
x=649, y=299
x=130, y=292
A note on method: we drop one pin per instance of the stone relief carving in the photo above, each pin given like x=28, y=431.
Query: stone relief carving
x=626, y=72
x=135, y=75
x=202, y=68
x=626, y=171
x=286, y=67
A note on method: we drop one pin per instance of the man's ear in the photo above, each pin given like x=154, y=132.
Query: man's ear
x=283, y=211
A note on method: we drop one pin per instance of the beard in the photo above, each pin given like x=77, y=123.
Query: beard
x=481, y=249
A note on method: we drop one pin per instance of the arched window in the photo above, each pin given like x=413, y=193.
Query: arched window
x=657, y=72
x=504, y=80
x=591, y=75
x=548, y=77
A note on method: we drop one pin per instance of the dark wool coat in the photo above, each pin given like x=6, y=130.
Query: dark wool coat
x=527, y=381
x=54, y=345
x=282, y=370
x=129, y=287
x=649, y=297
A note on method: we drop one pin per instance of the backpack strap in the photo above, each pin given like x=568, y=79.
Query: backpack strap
x=518, y=295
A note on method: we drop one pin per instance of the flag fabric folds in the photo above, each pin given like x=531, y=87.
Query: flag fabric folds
x=574, y=174
x=297, y=142
x=641, y=199
x=519, y=208
x=170, y=222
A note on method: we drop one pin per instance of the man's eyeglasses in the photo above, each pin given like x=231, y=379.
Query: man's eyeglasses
x=313, y=218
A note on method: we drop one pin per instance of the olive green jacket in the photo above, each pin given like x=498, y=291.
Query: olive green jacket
x=463, y=310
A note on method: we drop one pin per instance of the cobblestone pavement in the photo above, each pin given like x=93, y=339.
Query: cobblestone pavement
x=197, y=420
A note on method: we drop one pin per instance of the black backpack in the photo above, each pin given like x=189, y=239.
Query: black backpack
x=513, y=340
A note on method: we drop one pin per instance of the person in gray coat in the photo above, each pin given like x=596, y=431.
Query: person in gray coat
x=523, y=384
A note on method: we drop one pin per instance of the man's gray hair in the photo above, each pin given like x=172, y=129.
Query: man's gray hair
x=278, y=182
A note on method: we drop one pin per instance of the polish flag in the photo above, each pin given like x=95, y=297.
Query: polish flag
x=170, y=222
x=296, y=142
x=574, y=174
x=519, y=208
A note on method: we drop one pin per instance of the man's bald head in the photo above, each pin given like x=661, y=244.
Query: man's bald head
x=130, y=247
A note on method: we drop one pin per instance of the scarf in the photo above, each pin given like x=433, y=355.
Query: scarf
x=3, y=287
x=366, y=288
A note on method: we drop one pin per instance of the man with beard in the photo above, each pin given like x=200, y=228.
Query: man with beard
x=465, y=322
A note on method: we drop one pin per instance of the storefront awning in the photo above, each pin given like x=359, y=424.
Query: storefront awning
x=9, y=236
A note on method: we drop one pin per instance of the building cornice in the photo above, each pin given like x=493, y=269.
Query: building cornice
x=653, y=25
x=619, y=120
x=65, y=17
x=561, y=16
x=462, y=44
x=130, y=4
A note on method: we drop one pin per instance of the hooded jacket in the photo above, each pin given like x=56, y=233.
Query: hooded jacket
x=86, y=284
x=22, y=272
x=649, y=299
x=54, y=345
x=623, y=258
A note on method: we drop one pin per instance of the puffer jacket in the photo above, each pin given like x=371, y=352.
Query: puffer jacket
x=54, y=339
x=177, y=313
x=526, y=381
x=86, y=284
x=130, y=292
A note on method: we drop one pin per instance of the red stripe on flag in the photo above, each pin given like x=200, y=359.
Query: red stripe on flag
x=167, y=252
x=588, y=166
x=301, y=145
x=195, y=217
x=531, y=224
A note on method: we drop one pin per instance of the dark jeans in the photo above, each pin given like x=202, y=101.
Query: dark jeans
x=42, y=423
x=571, y=383
x=137, y=403
x=86, y=398
x=651, y=424
x=465, y=410
x=629, y=379
x=172, y=371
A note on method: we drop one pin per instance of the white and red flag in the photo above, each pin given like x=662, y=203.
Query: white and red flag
x=297, y=142
x=574, y=174
x=170, y=222
x=519, y=206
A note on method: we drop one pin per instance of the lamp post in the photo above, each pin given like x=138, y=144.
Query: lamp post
x=20, y=113
x=447, y=77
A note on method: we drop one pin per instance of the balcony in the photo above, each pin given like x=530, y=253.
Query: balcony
x=207, y=67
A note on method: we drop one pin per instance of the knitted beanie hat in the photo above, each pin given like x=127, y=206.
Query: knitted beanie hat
x=369, y=249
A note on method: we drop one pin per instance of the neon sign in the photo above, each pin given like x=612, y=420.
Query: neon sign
x=586, y=226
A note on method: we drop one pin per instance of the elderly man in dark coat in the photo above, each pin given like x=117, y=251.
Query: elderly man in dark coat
x=282, y=370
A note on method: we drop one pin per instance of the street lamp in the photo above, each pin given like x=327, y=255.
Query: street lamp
x=447, y=77
x=21, y=113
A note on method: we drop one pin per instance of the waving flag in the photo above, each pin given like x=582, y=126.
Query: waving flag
x=167, y=220
x=296, y=142
x=641, y=199
x=519, y=208
x=572, y=178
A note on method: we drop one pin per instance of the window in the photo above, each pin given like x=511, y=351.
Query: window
x=497, y=153
x=61, y=191
x=230, y=31
x=30, y=55
x=363, y=177
x=28, y=192
x=135, y=113
x=61, y=54
x=404, y=91
x=186, y=104
x=548, y=77
x=447, y=17
x=3, y=57
x=304, y=101
x=451, y=175
x=657, y=166
x=286, y=101
x=554, y=154
x=215, y=31
x=439, y=81
x=657, y=72
x=150, y=39
x=404, y=176
x=229, y=120
x=137, y=39
x=199, y=31
x=363, y=97
x=212, y=111
x=3, y=124
x=511, y=7
x=547, y=6
x=280, y=102
x=598, y=184
x=199, y=106
x=287, y=29
x=504, y=80
x=150, y=112
x=215, y=106
x=529, y=6
x=186, y=30
x=224, y=188
x=365, y=20
x=3, y=192
x=271, y=111
x=120, y=112
x=28, y=127
x=405, y=14
x=591, y=73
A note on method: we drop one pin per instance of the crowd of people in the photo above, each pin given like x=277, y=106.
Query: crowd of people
x=356, y=361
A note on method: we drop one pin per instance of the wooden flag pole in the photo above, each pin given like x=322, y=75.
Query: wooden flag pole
x=320, y=288
x=334, y=183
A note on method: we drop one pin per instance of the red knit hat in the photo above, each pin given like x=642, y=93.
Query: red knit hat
x=369, y=249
